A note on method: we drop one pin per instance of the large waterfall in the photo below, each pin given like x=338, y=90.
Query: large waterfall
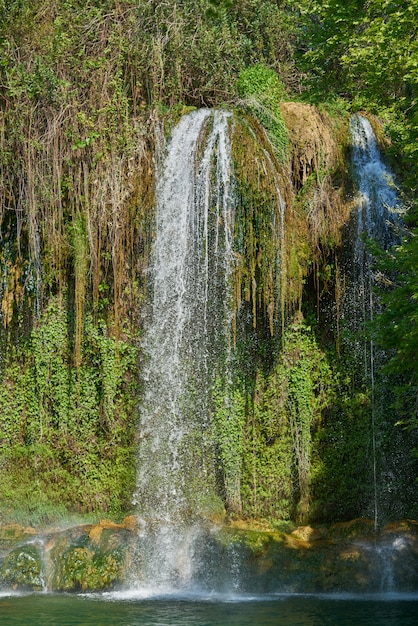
x=188, y=324
x=186, y=332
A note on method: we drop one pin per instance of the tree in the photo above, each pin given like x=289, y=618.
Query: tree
x=367, y=47
x=397, y=328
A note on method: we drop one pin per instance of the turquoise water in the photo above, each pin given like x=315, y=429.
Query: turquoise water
x=293, y=610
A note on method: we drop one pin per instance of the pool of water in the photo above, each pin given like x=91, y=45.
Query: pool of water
x=136, y=609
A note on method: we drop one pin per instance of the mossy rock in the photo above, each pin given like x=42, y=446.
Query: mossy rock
x=10, y=534
x=250, y=557
x=81, y=569
x=92, y=557
x=353, y=530
x=22, y=569
x=345, y=557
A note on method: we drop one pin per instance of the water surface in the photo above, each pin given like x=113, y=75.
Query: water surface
x=131, y=610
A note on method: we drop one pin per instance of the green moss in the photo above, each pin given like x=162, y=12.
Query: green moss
x=81, y=568
x=286, y=410
x=22, y=568
x=259, y=224
x=229, y=420
x=262, y=91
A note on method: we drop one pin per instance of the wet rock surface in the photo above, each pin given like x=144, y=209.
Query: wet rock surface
x=243, y=557
x=88, y=557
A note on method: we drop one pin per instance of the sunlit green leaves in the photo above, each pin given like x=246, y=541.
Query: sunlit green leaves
x=262, y=91
x=70, y=432
x=397, y=325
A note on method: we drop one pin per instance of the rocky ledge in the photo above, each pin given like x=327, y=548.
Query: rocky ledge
x=246, y=557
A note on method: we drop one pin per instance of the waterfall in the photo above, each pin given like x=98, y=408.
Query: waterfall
x=186, y=331
x=378, y=203
x=377, y=218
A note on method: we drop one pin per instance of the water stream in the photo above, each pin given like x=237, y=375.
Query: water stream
x=178, y=578
x=377, y=218
x=186, y=332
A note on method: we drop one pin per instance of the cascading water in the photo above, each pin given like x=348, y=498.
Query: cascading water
x=187, y=331
x=377, y=215
x=377, y=218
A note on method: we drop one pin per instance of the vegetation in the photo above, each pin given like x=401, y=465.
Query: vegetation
x=286, y=412
x=262, y=92
x=396, y=328
x=67, y=432
x=85, y=88
x=367, y=54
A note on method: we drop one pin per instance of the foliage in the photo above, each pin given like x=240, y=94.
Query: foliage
x=72, y=96
x=397, y=326
x=348, y=42
x=262, y=91
x=229, y=419
x=74, y=239
x=79, y=242
x=259, y=226
x=79, y=86
x=67, y=431
x=268, y=467
x=366, y=52
x=284, y=414
x=83, y=87
x=343, y=481
x=193, y=51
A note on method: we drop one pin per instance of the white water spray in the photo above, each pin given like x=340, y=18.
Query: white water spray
x=189, y=317
x=377, y=218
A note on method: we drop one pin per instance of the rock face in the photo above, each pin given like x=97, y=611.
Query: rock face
x=346, y=557
x=82, y=558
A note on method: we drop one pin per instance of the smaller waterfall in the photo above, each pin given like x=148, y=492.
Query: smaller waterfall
x=377, y=218
x=390, y=562
x=378, y=211
x=186, y=333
